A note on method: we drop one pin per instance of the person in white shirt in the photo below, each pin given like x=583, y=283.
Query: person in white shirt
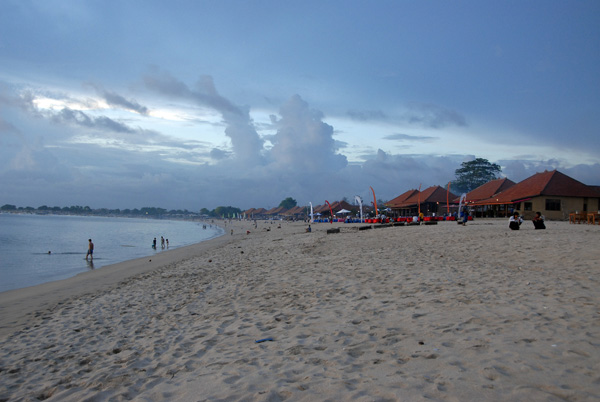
x=515, y=221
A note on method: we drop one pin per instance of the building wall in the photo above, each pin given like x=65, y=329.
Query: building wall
x=567, y=205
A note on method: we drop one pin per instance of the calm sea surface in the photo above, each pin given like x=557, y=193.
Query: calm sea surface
x=26, y=239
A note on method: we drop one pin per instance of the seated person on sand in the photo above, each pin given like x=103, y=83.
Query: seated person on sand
x=515, y=221
x=538, y=221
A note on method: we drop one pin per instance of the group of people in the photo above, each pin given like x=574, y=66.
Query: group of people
x=163, y=241
x=515, y=221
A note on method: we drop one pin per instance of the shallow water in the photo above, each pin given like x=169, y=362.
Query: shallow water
x=35, y=249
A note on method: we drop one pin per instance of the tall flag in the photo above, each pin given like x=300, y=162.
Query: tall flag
x=330, y=210
x=375, y=202
x=359, y=200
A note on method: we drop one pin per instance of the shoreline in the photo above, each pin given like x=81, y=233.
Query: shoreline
x=51, y=252
x=440, y=312
x=18, y=305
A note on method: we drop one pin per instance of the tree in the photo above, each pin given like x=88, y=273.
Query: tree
x=288, y=203
x=226, y=212
x=473, y=174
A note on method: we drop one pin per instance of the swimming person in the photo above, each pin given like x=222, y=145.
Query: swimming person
x=90, y=252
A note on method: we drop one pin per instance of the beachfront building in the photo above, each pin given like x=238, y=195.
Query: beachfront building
x=485, y=192
x=336, y=207
x=433, y=200
x=255, y=213
x=275, y=213
x=296, y=213
x=552, y=193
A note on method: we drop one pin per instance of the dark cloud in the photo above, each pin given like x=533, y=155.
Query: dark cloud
x=12, y=96
x=433, y=116
x=247, y=144
x=131, y=167
x=204, y=92
x=218, y=154
x=78, y=117
x=366, y=115
x=115, y=99
x=421, y=114
x=6, y=127
x=411, y=138
x=521, y=169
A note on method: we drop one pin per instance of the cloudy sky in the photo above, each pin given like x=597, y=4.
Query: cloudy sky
x=191, y=104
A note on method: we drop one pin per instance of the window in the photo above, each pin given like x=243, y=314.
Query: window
x=552, y=204
x=528, y=206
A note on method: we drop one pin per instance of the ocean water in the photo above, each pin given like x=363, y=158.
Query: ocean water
x=25, y=241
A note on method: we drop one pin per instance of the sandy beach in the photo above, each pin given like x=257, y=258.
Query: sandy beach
x=440, y=312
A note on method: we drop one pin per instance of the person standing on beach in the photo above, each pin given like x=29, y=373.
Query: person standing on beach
x=90, y=252
x=154, y=243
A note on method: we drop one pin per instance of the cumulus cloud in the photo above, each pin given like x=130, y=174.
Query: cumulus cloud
x=247, y=144
x=303, y=142
x=133, y=167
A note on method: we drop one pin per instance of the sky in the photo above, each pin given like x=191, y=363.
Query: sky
x=197, y=104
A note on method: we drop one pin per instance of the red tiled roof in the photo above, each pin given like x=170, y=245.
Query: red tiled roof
x=321, y=208
x=297, y=210
x=255, y=211
x=339, y=205
x=431, y=194
x=275, y=211
x=401, y=199
x=488, y=190
x=549, y=183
